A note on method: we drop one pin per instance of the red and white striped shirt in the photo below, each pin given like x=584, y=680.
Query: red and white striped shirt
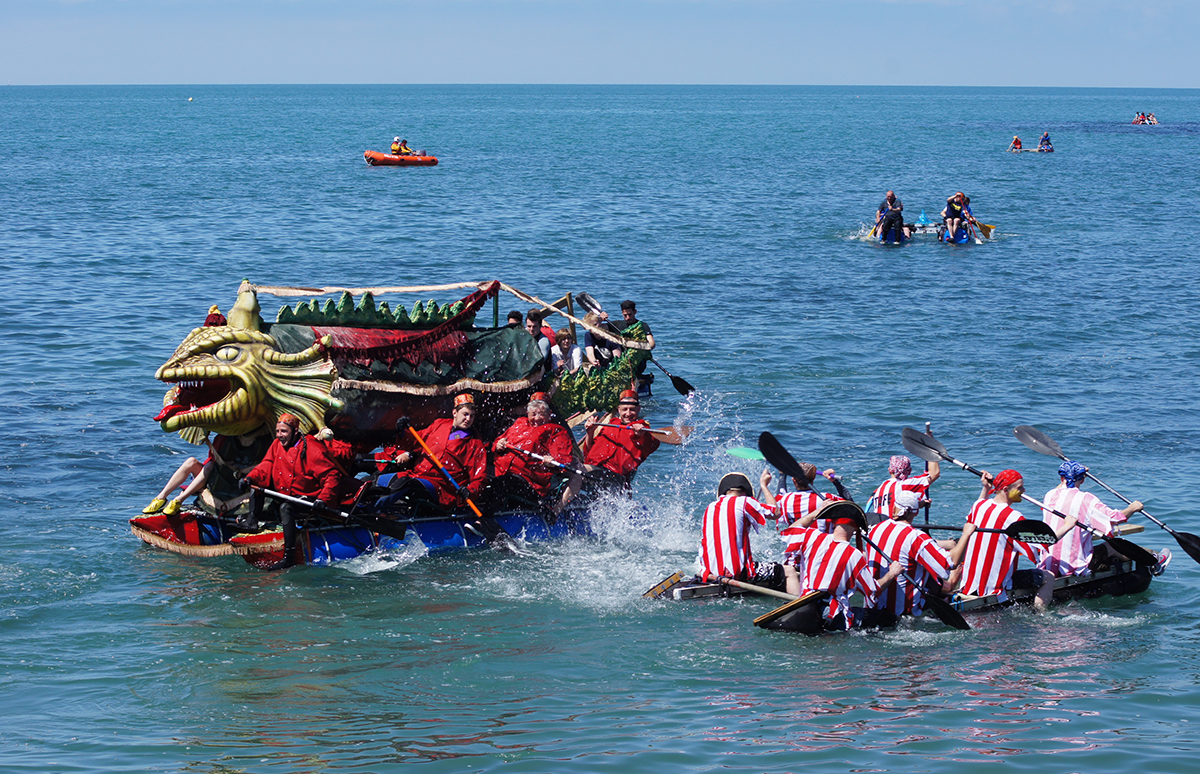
x=1071, y=555
x=918, y=554
x=991, y=557
x=793, y=506
x=827, y=564
x=885, y=496
x=724, y=541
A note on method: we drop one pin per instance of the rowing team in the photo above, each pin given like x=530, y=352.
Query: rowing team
x=901, y=563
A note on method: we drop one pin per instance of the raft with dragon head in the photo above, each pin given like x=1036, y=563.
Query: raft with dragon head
x=351, y=369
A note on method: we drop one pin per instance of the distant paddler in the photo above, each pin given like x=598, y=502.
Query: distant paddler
x=400, y=147
x=1015, y=145
x=890, y=215
x=1044, y=144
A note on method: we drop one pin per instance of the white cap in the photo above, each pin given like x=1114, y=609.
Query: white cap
x=908, y=500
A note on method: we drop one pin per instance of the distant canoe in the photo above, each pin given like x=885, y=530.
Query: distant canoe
x=377, y=159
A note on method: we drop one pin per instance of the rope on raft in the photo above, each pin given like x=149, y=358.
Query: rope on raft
x=158, y=541
x=292, y=291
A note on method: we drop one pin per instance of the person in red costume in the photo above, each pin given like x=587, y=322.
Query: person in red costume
x=296, y=465
x=461, y=453
x=519, y=474
x=619, y=450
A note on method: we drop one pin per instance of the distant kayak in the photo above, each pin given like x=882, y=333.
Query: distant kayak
x=377, y=159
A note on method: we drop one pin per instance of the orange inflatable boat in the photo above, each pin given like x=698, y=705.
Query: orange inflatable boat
x=377, y=159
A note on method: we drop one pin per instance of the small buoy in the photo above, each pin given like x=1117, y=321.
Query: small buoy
x=189, y=99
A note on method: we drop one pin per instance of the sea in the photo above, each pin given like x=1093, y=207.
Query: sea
x=736, y=218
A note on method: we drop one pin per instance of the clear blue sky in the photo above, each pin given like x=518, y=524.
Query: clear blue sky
x=1103, y=43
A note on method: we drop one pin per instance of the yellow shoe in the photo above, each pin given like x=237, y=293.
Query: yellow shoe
x=155, y=506
x=171, y=509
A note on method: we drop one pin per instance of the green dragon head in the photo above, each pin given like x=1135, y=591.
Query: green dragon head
x=232, y=379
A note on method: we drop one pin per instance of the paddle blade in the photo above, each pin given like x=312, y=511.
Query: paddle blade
x=1030, y=531
x=681, y=385
x=661, y=588
x=672, y=435
x=588, y=303
x=946, y=613
x=1038, y=441
x=1189, y=543
x=986, y=230
x=810, y=598
x=745, y=452
x=779, y=457
x=1133, y=551
x=924, y=446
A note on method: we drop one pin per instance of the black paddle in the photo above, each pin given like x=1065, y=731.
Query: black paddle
x=1040, y=442
x=682, y=386
x=780, y=458
x=928, y=448
x=389, y=527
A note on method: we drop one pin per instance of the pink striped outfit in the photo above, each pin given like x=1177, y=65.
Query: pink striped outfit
x=885, y=496
x=991, y=557
x=1071, y=555
x=827, y=564
x=724, y=541
x=920, y=556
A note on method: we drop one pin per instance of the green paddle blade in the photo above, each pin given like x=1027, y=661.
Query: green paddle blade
x=745, y=452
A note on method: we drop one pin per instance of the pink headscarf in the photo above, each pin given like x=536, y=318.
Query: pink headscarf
x=900, y=466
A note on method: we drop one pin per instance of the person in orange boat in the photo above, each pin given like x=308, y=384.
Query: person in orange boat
x=518, y=473
x=456, y=446
x=296, y=465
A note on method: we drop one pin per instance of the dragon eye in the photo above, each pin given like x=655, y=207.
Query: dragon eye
x=228, y=354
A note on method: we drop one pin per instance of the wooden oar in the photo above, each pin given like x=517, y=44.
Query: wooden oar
x=1040, y=442
x=662, y=587
x=779, y=457
x=671, y=435
x=923, y=446
x=986, y=230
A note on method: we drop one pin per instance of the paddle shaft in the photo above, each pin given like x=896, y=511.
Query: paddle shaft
x=1045, y=445
x=757, y=589
x=670, y=434
x=1120, y=544
x=547, y=460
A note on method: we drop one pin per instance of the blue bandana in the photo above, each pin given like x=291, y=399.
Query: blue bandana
x=1072, y=473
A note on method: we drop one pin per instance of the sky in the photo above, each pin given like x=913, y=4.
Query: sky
x=1078, y=43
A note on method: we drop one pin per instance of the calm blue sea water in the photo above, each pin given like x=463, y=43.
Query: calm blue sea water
x=731, y=215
